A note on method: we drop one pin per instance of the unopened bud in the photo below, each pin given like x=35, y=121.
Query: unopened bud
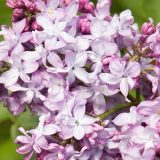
x=35, y=26
x=18, y=14
x=84, y=26
x=89, y=8
x=15, y=3
x=148, y=28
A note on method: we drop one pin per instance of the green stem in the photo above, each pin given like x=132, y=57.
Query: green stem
x=138, y=95
x=117, y=108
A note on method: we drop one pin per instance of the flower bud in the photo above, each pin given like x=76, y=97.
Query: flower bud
x=18, y=14
x=84, y=26
x=82, y=3
x=35, y=26
x=106, y=61
x=15, y=3
x=148, y=28
x=31, y=6
x=89, y=8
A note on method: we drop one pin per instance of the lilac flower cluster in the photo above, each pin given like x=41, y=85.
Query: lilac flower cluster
x=92, y=79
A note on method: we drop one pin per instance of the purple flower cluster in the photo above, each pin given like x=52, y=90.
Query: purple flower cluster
x=92, y=79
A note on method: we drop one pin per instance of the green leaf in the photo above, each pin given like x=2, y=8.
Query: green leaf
x=27, y=120
x=4, y=114
x=8, y=151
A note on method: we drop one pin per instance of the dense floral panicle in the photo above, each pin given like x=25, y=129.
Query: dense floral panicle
x=79, y=69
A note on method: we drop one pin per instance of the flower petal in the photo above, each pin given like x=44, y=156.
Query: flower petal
x=78, y=132
x=109, y=78
x=124, y=88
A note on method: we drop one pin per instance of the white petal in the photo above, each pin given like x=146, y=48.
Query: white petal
x=87, y=120
x=81, y=59
x=78, y=132
x=79, y=112
x=10, y=77
x=124, y=88
x=50, y=129
x=82, y=43
x=55, y=60
x=117, y=68
x=109, y=78
x=44, y=22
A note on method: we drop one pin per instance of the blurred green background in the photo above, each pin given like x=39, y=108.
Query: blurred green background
x=141, y=9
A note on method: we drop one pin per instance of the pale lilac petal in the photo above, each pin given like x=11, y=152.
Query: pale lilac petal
x=72, y=10
x=87, y=120
x=53, y=4
x=40, y=5
x=50, y=129
x=25, y=37
x=55, y=60
x=53, y=43
x=99, y=104
x=109, y=78
x=79, y=112
x=126, y=18
x=67, y=37
x=36, y=148
x=50, y=156
x=29, y=156
x=103, y=9
x=45, y=22
x=66, y=132
x=131, y=82
x=24, y=77
x=23, y=139
x=82, y=43
x=133, y=69
x=108, y=91
x=18, y=49
x=70, y=58
x=98, y=27
x=117, y=68
x=81, y=59
x=78, y=132
x=82, y=75
x=25, y=149
x=10, y=77
x=124, y=88
x=123, y=119
x=31, y=56
x=42, y=142
x=30, y=67
x=59, y=13
x=18, y=27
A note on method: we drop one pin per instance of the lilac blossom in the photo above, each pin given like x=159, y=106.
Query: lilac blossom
x=122, y=74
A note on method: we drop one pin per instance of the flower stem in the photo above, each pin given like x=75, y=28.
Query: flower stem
x=117, y=108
